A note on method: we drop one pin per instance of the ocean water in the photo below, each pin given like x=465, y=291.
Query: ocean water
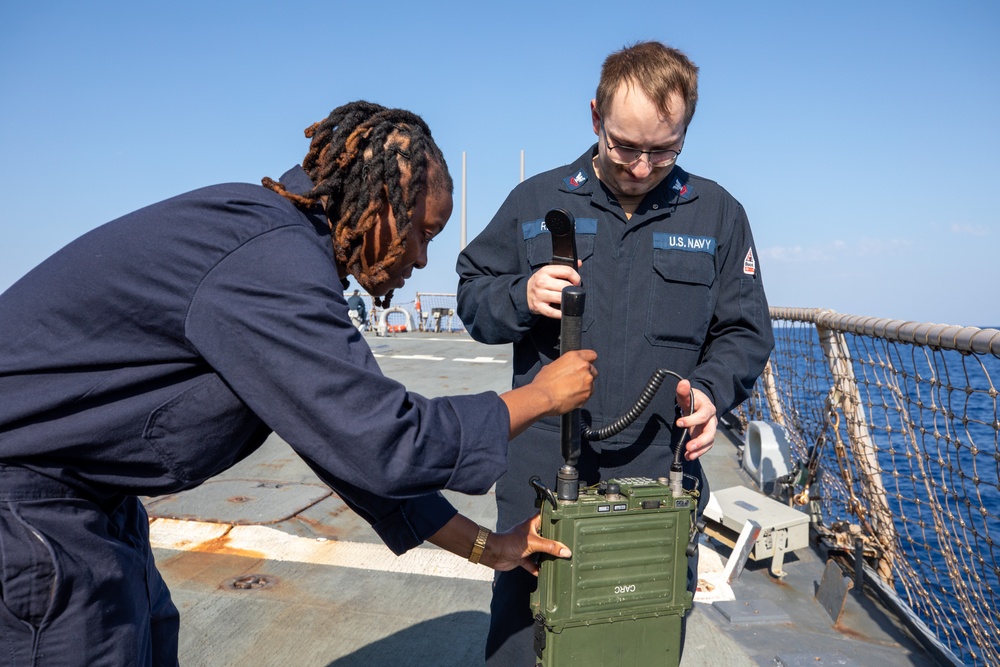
x=957, y=444
x=933, y=419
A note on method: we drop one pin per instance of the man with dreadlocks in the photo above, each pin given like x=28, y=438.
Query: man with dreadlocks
x=163, y=347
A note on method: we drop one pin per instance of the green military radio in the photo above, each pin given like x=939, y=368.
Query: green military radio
x=622, y=596
x=620, y=599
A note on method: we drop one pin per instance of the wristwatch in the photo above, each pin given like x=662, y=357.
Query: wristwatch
x=479, y=545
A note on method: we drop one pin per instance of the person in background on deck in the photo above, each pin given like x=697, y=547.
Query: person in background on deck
x=356, y=308
x=163, y=347
x=672, y=281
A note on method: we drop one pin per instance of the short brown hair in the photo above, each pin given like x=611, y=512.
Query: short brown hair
x=655, y=69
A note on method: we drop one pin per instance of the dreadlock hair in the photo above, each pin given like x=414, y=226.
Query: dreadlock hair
x=362, y=157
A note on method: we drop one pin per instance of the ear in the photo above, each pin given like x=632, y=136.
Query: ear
x=595, y=117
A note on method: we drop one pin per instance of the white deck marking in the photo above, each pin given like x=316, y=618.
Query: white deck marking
x=425, y=357
x=482, y=360
x=428, y=357
x=273, y=544
x=372, y=343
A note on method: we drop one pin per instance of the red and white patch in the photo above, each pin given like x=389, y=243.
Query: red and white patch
x=749, y=265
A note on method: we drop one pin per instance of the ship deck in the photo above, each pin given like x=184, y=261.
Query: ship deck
x=268, y=567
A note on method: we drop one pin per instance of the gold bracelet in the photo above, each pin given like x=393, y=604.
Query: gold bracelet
x=480, y=544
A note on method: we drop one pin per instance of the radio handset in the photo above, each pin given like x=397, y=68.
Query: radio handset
x=562, y=228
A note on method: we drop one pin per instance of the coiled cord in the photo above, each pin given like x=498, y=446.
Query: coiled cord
x=626, y=420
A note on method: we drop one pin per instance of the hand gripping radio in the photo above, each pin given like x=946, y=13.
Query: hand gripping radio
x=620, y=599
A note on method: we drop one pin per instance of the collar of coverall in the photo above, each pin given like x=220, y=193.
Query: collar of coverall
x=297, y=181
x=674, y=190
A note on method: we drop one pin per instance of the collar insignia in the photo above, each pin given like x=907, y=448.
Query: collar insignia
x=576, y=180
x=681, y=189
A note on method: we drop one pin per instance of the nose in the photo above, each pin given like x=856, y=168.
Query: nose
x=421, y=258
x=641, y=168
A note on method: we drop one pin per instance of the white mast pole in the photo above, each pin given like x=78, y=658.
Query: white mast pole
x=463, y=227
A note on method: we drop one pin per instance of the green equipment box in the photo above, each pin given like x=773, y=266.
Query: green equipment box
x=621, y=597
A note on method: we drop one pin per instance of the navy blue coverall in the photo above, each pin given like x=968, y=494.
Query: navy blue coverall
x=162, y=348
x=676, y=286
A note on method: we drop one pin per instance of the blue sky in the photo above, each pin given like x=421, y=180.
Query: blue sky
x=863, y=138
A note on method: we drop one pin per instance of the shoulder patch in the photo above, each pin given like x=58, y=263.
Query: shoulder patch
x=749, y=265
x=576, y=180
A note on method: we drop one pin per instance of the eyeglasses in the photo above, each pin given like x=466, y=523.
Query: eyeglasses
x=627, y=155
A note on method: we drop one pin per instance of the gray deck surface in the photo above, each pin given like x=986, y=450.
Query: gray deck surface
x=333, y=598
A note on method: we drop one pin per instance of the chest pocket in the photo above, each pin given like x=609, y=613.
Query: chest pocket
x=538, y=250
x=681, y=299
x=202, y=430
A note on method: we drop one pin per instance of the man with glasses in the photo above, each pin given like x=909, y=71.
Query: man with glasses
x=668, y=263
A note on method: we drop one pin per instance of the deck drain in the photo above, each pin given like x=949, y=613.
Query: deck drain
x=252, y=582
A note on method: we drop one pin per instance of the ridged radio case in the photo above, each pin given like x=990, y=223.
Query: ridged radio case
x=621, y=597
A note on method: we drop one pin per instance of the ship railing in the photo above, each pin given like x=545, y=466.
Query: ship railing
x=894, y=431
x=429, y=311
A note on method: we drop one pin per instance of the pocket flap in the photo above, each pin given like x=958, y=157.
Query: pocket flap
x=696, y=268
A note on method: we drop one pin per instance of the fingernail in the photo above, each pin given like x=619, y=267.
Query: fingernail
x=565, y=553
